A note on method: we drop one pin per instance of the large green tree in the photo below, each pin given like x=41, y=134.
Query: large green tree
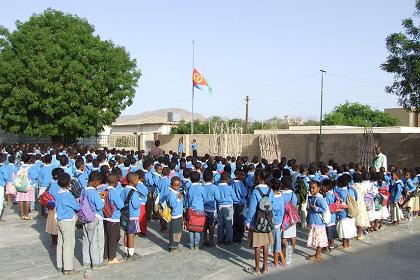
x=356, y=114
x=404, y=62
x=59, y=79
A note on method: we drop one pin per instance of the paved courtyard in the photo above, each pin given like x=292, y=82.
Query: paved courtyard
x=393, y=253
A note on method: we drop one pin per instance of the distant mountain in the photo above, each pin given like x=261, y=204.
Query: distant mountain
x=156, y=117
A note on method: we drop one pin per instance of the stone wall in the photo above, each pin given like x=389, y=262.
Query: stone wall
x=402, y=149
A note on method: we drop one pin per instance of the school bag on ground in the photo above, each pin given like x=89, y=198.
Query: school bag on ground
x=125, y=211
x=352, y=211
x=86, y=214
x=264, y=221
x=291, y=215
x=109, y=207
x=21, y=181
x=75, y=188
x=47, y=200
x=301, y=191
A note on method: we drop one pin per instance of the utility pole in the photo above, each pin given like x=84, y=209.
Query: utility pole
x=246, y=114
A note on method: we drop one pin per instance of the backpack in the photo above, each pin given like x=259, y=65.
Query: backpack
x=109, y=207
x=47, y=200
x=379, y=201
x=86, y=214
x=21, y=181
x=301, y=191
x=123, y=180
x=264, y=221
x=326, y=216
x=352, y=211
x=368, y=199
x=75, y=188
x=125, y=211
x=291, y=215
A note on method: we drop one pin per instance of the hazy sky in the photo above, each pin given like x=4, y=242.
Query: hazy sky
x=269, y=50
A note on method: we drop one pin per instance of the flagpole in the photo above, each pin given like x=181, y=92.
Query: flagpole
x=192, y=97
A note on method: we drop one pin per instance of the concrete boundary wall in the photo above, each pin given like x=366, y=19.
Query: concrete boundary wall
x=402, y=149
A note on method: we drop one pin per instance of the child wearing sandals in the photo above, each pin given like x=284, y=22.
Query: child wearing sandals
x=317, y=237
x=278, y=213
x=259, y=240
x=330, y=197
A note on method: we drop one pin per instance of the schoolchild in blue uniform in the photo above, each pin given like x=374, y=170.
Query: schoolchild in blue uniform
x=66, y=206
x=317, y=237
x=328, y=191
x=410, y=188
x=278, y=213
x=259, y=240
x=395, y=194
x=210, y=207
x=80, y=173
x=112, y=224
x=162, y=191
x=239, y=203
x=93, y=232
x=143, y=192
x=196, y=196
x=289, y=197
x=150, y=185
x=346, y=226
x=225, y=210
x=176, y=205
x=134, y=210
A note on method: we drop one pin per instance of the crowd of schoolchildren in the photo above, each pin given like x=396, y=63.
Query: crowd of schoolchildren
x=106, y=192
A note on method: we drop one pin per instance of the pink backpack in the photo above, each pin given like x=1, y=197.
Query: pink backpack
x=291, y=215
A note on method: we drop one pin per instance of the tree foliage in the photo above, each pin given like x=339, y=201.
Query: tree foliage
x=404, y=62
x=356, y=114
x=59, y=79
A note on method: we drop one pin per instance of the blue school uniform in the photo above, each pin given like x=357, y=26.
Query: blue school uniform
x=278, y=209
x=143, y=191
x=175, y=204
x=82, y=178
x=331, y=199
x=2, y=181
x=289, y=195
x=253, y=203
x=148, y=181
x=196, y=197
x=65, y=205
x=163, y=188
x=115, y=199
x=216, y=177
x=95, y=201
x=9, y=170
x=212, y=195
x=317, y=206
x=409, y=186
x=134, y=205
x=396, y=191
x=226, y=194
x=240, y=192
x=342, y=193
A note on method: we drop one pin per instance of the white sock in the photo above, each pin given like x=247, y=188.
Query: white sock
x=131, y=251
x=126, y=250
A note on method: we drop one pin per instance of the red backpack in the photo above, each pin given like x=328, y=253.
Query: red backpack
x=109, y=208
x=47, y=200
x=123, y=180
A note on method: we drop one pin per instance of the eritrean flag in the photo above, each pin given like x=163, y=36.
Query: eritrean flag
x=199, y=82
